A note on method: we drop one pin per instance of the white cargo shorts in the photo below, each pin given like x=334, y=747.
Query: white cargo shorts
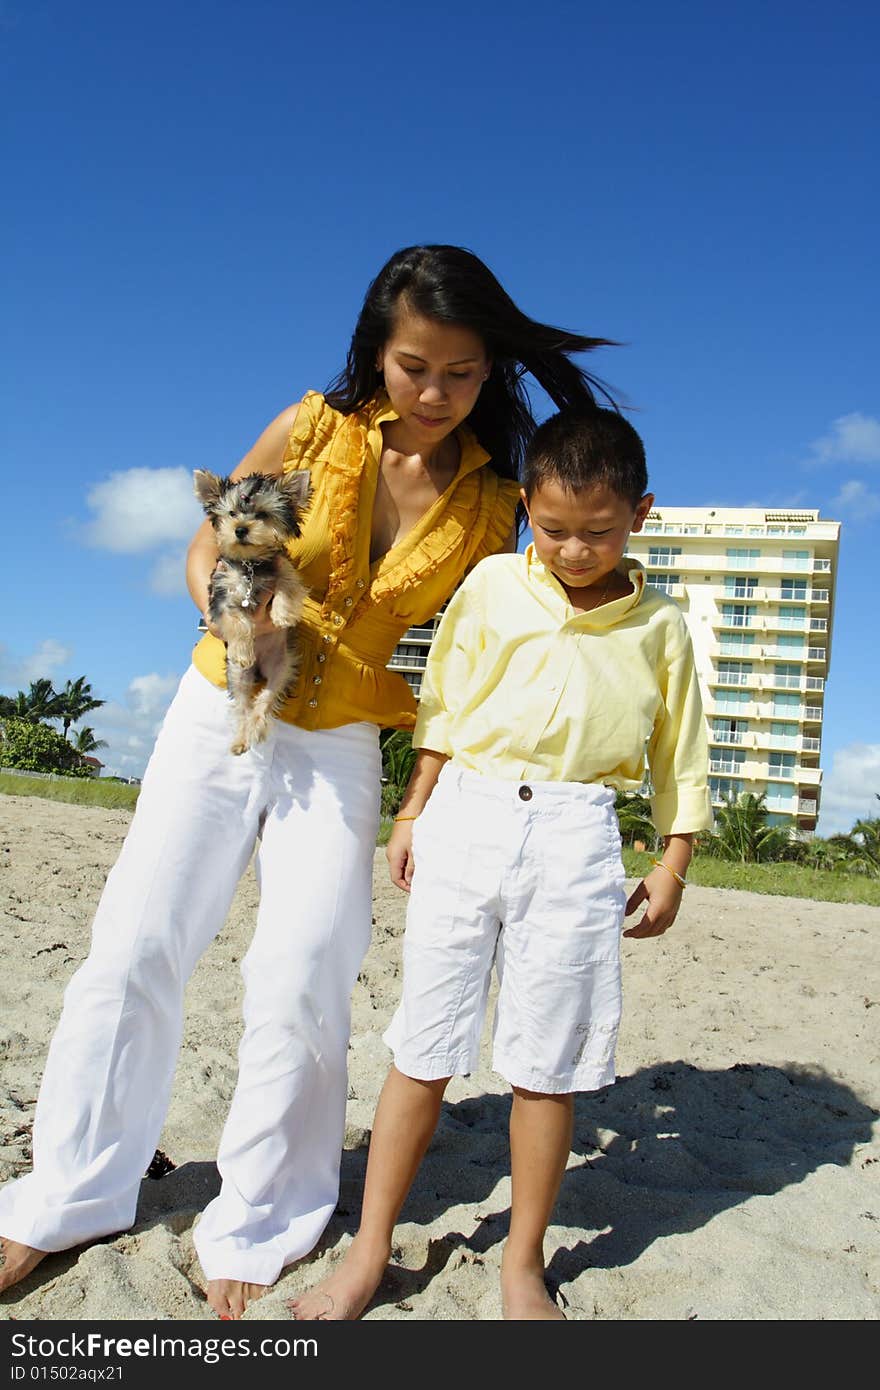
x=528, y=876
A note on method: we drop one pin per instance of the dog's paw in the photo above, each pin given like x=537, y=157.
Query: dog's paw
x=259, y=728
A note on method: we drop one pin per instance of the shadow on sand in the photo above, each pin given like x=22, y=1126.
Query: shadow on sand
x=663, y=1151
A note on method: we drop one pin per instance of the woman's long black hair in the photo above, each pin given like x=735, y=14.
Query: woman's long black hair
x=453, y=285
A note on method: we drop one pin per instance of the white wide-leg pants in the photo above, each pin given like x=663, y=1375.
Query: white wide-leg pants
x=312, y=798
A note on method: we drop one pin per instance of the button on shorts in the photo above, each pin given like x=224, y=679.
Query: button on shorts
x=528, y=877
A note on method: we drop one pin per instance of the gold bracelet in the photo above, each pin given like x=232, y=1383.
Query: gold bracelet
x=682, y=882
x=397, y=818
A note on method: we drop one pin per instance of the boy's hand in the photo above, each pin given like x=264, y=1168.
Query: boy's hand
x=399, y=854
x=663, y=896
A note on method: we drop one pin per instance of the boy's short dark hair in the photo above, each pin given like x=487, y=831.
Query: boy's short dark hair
x=579, y=449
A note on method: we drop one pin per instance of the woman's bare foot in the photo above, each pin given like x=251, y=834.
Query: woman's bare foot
x=524, y=1296
x=345, y=1293
x=229, y=1297
x=17, y=1261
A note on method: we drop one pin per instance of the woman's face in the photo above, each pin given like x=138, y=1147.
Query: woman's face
x=433, y=375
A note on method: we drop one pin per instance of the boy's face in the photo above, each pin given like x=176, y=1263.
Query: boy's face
x=580, y=536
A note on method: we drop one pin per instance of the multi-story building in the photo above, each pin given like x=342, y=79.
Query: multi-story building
x=757, y=591
x=410, y=656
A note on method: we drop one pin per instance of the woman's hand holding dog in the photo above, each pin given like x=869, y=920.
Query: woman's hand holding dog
x=262, y=619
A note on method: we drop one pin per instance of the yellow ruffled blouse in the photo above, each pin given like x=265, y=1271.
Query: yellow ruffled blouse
x=356, y=613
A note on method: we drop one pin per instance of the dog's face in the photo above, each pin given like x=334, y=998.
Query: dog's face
x=256, y=515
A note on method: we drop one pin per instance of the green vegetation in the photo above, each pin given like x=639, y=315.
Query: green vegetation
x=81, y=791
x=398, y=756
x=27, y=740
x=787, y=880
x=34, y=747
x=742, y=852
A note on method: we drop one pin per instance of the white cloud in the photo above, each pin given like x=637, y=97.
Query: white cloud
x=168, y=575
x=856, y=498
x=141, y=509
x=130, y=728
x=852, y=438
x=848, y=789
x=42, y=661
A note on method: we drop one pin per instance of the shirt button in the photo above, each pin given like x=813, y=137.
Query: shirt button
x=525, y=793
x=327, y=638
x=312, y=704
x=316, y=680
x=321, y=656
x=337, y=619
x=360, y=583
x=349, y=602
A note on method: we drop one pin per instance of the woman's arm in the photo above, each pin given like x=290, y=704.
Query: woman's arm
x=266, y=456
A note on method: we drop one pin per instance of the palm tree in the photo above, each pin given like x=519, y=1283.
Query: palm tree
x=40, y=702
x=634, y=817
x=85, y=741
x=742, y=832
x=398, y=756
x=76, y=699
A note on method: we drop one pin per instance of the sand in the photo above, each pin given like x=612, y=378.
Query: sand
x=732, y=1172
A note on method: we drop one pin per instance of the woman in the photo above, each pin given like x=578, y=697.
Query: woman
x=413, y=455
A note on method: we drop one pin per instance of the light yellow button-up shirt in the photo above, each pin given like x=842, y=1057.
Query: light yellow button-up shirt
x=521, y=686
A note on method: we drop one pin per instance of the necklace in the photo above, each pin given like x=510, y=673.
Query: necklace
x=602, y=596
x=248, y=572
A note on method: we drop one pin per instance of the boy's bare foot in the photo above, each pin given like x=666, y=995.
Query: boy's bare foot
x=524, y=1296
x=229, y=1297
x=17, y=1261
x=345, y=1293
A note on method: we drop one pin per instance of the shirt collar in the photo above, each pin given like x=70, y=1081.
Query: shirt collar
x=607, y=614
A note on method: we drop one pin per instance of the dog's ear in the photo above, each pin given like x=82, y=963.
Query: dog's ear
x=296, y=486
x=207, y=487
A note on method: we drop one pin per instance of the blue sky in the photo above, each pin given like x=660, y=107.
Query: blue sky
x=199, y=193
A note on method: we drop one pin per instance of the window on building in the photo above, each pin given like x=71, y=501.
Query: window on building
x=796, y=559
x=726, y=759
x=739, y=586
x=787, y=675
x=729, y=730
x=742, y=559
x=733, y=642
x=785, y=704
x=790, y=615
x=794, y=588
x=652, y=528
x=664, y=582
x=756, y=531
x=792, y=642
x=780, y=795
x=775, y=530
x=725, y=788
x=781, y=764
x=734, y=672
x=733, y=530
x=782, y=732
x=663, y=554
x=731, y=701
x=797, y=530
x=738, y=614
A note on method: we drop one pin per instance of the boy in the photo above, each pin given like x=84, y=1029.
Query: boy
x=550, y=675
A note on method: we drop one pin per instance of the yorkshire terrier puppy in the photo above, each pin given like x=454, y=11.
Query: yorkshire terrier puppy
x=253, y=520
